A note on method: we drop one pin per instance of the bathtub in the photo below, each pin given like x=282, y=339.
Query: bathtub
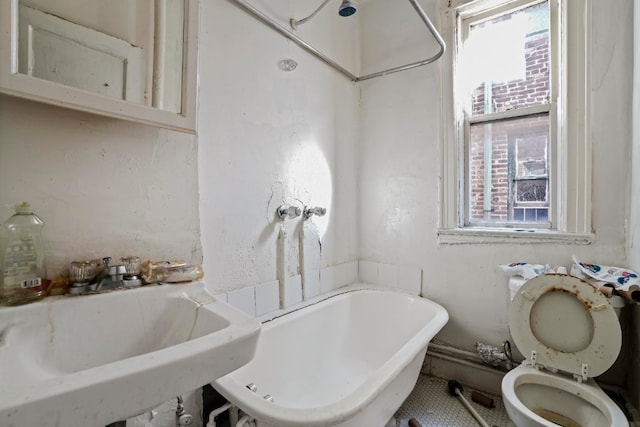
x=348, y=360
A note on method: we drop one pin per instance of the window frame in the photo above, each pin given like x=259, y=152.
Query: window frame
x=569, y=114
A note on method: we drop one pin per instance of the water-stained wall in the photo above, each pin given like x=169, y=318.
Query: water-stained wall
x=269, y=137
x=104, y=187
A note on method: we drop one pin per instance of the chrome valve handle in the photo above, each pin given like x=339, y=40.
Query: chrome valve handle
x=317, y=210
x=291, y=212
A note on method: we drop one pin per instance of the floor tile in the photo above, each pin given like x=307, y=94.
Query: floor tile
x=431, y=404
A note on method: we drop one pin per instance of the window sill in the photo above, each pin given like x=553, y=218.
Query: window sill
x=480, y=235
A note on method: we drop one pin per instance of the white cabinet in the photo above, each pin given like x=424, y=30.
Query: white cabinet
x=142, y=68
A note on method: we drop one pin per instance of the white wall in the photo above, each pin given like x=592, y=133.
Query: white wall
x=109, y=187
x=400, y=173
x=266, y=137
x=634, y=216
x=102, y=186
x=269, y=137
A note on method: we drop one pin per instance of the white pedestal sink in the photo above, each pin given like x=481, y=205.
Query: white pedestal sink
x=95, y=359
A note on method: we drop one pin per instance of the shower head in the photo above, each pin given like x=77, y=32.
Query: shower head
x=346, y=8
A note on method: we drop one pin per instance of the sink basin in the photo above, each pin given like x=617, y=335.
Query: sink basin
x=97, y=359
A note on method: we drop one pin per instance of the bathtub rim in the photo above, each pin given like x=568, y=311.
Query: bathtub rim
x=359, y=286
x=358, y=399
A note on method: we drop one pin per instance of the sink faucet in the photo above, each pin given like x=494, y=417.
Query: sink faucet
x=111, y=277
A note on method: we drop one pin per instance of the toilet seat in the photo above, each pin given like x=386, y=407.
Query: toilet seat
x=563, y=323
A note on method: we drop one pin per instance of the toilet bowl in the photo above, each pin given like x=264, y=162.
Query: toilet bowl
x=537, y=398
x=569, y=333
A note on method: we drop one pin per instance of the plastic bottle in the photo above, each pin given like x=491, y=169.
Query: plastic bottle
x=22, y=269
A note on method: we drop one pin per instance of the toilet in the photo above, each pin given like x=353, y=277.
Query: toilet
x=569, y=333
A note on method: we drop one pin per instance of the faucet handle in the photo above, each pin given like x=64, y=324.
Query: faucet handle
x=106, y=260
x=317, y=210
x=285, y=211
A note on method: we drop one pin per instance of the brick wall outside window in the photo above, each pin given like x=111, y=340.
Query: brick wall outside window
x=526, y=135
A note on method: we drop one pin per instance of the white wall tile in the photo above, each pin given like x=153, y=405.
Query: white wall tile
x=388, y=275
x=368, y=272
x=327, y=279
x=243, y=299
x=292, y=291
x=339, y=276
x=311, y=284
x=410, y=279
x=222, y=296
x=267, y=297
x=347, y=273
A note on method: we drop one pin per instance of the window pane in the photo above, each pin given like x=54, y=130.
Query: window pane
x=543, y=214
x=508, y=171
x=507, y=59
x=531, y=190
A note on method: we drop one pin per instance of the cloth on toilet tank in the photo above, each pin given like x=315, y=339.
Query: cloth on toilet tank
x=525, y=270
x=598, y=275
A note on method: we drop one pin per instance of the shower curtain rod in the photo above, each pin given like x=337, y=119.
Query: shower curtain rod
x=260, y=16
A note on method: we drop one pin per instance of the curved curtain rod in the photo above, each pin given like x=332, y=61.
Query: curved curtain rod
x=260, y=16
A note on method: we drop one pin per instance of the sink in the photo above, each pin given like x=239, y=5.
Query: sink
x=96, y=359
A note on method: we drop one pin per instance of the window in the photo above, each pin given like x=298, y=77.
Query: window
x=516, y=145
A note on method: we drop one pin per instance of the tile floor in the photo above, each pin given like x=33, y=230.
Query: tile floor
x=431, y=404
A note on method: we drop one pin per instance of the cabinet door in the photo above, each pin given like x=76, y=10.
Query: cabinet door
x=73, y=55
x=131, y=60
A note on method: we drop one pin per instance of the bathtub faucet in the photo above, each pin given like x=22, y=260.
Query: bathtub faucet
x=290, y=212
x=317, y=210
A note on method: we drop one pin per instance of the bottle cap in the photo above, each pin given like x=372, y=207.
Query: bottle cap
x=24, y=208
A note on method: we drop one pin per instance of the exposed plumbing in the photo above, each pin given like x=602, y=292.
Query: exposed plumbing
x=274, y=25
x=245, y=421
x=213, y=414
x=506, y=347
x=182, y=418
x=346, y=9
x=495, y=356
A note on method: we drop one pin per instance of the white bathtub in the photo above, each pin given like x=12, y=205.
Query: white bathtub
x=349, y=360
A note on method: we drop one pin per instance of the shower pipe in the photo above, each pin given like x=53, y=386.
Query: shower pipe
x=260, y=16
